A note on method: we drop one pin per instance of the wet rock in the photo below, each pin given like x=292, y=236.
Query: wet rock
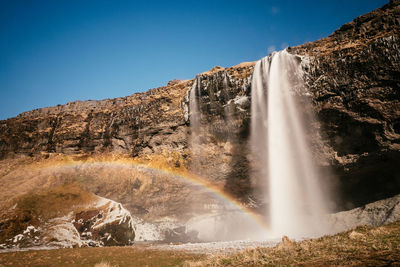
x=181, y=235
x=376, y=214
x=353, y=76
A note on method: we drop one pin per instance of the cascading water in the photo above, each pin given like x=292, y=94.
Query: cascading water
x=295, y=202
x=195, y=123
x=220, y=220
x=194, y=108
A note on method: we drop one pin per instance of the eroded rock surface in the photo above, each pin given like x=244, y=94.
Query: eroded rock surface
x=147, y=121
x=354, y=77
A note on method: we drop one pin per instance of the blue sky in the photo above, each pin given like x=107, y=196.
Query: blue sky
x=53, y=52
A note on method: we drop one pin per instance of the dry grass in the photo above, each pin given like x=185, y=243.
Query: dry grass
x=54, y=202
x=134, y=182
x=28, y=175
x=19, y=177
x=107, y=256
x=364, y=246
x=36, y=208
x=104, y=264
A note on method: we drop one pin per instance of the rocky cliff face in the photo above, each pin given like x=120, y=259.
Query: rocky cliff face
x=354, y=76
x=123, y=125
x=354, y=80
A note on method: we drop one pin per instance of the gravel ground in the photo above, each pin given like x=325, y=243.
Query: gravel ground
x=225, y=247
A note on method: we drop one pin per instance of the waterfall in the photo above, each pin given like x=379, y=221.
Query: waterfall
x=194, y=107
x=222, y=219
x=295, y=202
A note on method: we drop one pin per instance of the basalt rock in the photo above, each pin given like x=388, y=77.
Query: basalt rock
x=354, y=78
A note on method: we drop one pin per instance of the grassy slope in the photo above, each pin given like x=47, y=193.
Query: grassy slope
x=37, y=208
x=364, y=246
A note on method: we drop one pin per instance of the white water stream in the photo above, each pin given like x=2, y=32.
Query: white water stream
x=295, y=202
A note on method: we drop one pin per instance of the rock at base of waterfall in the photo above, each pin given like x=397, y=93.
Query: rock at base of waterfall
x=377, y=213
x=181, y=235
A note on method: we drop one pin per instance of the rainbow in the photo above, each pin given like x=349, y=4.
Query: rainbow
x=177, y=173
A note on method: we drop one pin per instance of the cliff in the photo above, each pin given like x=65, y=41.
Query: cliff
x=121, y=125
x=354, y=80
x=354, y=76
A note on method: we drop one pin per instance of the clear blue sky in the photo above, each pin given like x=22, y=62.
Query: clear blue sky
x=53, y=52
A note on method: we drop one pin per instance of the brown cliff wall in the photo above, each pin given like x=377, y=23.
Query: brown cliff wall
x=123, y=125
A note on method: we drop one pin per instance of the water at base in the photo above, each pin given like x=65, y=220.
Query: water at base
x=296, y=205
